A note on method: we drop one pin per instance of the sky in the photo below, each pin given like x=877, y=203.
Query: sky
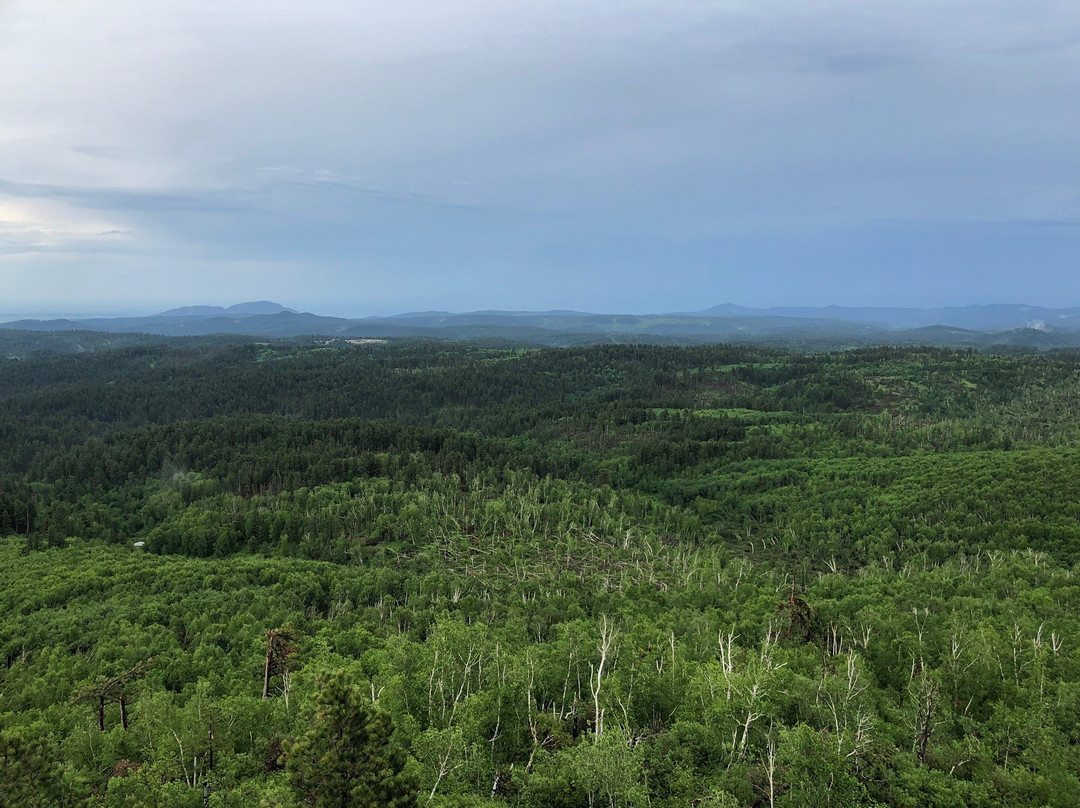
x=359, y=158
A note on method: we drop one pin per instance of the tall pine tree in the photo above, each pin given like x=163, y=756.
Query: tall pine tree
x=347, y=759
x=30, y=776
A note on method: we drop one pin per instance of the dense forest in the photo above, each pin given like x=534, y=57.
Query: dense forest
x=497, y=576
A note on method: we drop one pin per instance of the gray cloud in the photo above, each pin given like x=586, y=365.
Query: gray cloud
x=492, y=154
x=102, y=152
x=148, y=200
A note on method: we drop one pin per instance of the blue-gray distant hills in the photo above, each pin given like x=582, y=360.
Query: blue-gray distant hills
x=238, y=310
x=829, y=326
x=994, y=317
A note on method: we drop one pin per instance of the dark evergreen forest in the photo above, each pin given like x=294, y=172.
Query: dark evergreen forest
x=591, y=577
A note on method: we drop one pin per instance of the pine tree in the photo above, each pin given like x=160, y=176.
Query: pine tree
x=29, y=773
x=347, y=759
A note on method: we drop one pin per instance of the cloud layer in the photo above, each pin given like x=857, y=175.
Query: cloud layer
x=372, y=157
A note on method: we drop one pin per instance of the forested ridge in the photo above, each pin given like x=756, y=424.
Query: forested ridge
x=609, y=575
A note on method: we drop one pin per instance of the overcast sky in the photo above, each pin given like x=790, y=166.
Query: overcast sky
x=605, y=155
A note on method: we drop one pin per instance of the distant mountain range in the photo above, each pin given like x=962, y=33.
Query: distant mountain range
x=994, y=317
x=1002, y=324
x=238, y=310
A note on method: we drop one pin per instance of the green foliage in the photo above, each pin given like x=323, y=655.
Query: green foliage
x=348, y=757
x=604, y=576
x=30, y=773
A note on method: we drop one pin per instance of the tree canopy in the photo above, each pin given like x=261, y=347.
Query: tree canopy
x=307, y=573
x=348, y=758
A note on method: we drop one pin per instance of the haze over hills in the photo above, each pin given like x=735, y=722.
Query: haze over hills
x=993, y=317
x=236, y=310
x=1010, y=324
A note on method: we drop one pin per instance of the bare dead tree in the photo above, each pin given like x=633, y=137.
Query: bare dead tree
x=925, y=719
x=770, y=767
x=605, y=647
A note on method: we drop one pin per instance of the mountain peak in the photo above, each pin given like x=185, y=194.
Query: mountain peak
x=258, y=307
x=249, y=309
